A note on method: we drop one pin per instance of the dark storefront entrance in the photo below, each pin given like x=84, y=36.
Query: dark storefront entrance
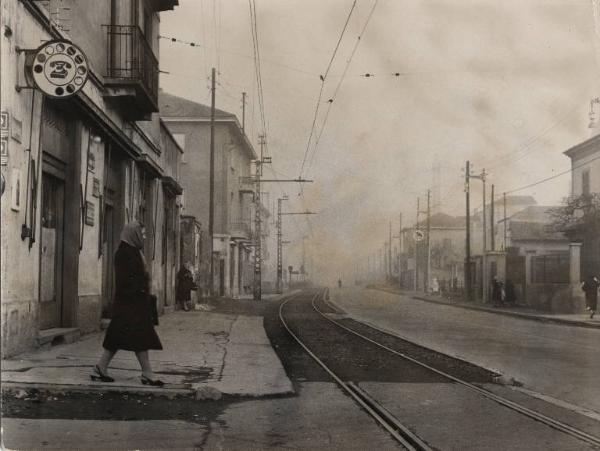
x=60, y=218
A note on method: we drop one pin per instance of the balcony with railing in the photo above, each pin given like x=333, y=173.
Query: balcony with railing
x=132, y=71
x=240, y=230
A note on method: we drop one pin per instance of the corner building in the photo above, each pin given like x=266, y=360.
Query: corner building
x=76, y=169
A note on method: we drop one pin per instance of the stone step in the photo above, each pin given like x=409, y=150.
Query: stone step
x=58, y=336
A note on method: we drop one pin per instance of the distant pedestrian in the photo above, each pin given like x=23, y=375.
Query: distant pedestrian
x=185, y=285
x=590, y=288
x=131, y=328
x=510, y=296
x=496, y=292
x=339, y=283
x=435, y=286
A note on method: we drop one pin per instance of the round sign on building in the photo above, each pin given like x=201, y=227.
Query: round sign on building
x=59, y=69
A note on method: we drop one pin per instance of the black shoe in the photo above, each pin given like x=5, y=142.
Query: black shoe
x=154, y=383
x=100, y=376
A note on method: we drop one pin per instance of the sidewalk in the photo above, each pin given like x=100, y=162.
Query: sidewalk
x=577, y=319
x=206, y=355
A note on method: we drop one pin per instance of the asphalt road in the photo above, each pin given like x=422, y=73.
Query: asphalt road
x=560, y=361
x=319, y=415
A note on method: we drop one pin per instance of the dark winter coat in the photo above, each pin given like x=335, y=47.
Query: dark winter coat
x=496, y=292
x=590, y=287
x=131, y=327
x=185, y=285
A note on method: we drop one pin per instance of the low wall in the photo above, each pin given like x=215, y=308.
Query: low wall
x=551, y=297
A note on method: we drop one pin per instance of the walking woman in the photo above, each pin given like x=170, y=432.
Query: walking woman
x=590, y=288
x=131, y=328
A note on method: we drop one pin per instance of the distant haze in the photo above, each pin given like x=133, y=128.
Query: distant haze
x=506, y=85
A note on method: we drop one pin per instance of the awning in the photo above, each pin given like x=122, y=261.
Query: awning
x=172, y=185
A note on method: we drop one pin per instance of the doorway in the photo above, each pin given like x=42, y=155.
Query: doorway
x=51, y=251
x=108, y=251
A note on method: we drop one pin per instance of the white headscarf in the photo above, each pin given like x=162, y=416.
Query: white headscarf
x=132, y=234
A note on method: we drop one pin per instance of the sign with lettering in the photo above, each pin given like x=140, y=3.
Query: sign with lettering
x=59, y=69
x=90, y=210
x=3, y=150
x=4, y=123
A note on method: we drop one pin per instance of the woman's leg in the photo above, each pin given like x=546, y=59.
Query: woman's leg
x=105, y=359
x=144, y=359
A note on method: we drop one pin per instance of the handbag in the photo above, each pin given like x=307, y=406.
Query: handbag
x=154, y=309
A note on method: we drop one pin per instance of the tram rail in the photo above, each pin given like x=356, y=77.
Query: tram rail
x=391, y=423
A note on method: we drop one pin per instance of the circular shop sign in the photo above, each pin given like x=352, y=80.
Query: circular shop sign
x=418, y=235
x=59, y=69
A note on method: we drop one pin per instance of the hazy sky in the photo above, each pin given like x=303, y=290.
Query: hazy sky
x=506, y=85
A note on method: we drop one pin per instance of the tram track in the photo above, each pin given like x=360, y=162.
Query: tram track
x=400, y=432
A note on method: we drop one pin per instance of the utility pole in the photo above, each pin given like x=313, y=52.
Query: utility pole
x=492, y=224
x=279, y=241
x=504, y=202
x=280, y=245
x=484, y=272
x=211, y=213
x=243, y=111
x=303, y=267
x=417, y=246
x=468, y=283
x=390, y=256
x=427, y=283
x=257, y=292
x=399, y=248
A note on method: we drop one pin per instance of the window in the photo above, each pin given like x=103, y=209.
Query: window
x=585, y=182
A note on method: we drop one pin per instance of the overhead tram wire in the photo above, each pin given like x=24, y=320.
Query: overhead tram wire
x=539, y=182
x=312, y=129
x=348, y=63
x=257, y=65
x=323, y=78
x=241, y=55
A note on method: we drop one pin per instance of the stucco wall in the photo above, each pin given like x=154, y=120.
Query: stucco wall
x=19, y=265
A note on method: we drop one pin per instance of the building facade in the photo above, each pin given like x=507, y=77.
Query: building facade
x=446, y=255
x=233, y=232
x=585, y=182
x=77, y=167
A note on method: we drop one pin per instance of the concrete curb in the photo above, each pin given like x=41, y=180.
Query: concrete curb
x=60, y=389
x=528, y=316
x=202, y=393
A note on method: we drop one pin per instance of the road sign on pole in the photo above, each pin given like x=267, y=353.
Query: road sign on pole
x=418, y=235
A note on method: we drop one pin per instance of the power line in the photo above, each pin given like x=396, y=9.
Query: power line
x=257, y=67
x=193, y=44
x=552, y=177
x=348, y=63
x=323, y=78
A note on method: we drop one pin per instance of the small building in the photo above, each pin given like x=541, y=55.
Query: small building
x=585, y=181
x=536, y=260
x=447, y=253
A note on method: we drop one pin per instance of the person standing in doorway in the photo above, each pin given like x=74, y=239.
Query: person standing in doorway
x=185, y=285
x=131, y=328
x=496, y=292
x=590, y=288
